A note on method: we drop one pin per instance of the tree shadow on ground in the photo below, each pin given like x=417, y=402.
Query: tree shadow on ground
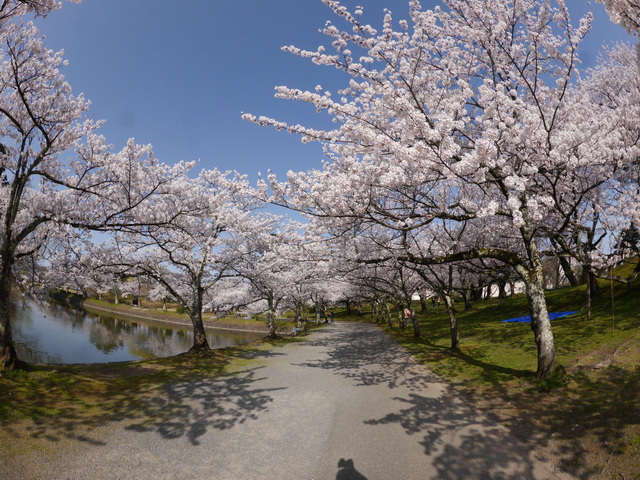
x=461, y=443
x=189, y=408
x=361, y=352
x=588, y=421
x=593, y=426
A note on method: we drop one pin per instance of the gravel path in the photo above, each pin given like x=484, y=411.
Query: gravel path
x=349, y=403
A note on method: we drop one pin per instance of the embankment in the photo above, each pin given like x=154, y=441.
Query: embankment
x=160, y=318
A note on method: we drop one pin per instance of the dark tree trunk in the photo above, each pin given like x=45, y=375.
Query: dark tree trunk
x=502, y=290
x=375, y=312
x=568, y=271
x=200, y=342
x=594, y=286
x=388, y=313
x=453, y=321
x=423, y=301
x=476, y=293
x=466, y=295
x=414, y=323
x=8, y=355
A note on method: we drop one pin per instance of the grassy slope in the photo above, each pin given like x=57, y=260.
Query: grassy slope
x=157, y=315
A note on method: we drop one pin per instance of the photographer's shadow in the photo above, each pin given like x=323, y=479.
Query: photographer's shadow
x=347, y=471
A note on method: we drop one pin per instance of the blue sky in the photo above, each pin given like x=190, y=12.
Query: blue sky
x=178, y=75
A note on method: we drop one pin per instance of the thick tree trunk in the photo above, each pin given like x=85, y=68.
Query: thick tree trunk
x=487, y=294
x=453, y=321
x=568, y=271
x=423, y=301
x=388, y=314
x=271, y=322
x=540, y=324
x=200, y=341
x=271, y=319
x=502, y=289
x=401, y=317
x=533, y=278
x=414, y=323
x=589, y=277
x=8, y=356
x=466, y=295
x=541, y=327
x=594, y=286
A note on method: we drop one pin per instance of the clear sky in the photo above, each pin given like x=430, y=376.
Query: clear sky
x=178, y=75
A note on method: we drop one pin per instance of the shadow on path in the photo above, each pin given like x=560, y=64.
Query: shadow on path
x=178, y=409
x=366, y=355
x=461, y=444
x=190, y=409
x=458, y=443
x=347, y=471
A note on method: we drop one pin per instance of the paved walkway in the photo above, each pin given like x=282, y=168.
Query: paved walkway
x=349, y=403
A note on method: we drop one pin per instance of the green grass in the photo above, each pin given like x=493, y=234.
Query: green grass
x=493, y=351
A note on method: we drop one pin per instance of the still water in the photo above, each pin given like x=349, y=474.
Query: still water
x=48, y=333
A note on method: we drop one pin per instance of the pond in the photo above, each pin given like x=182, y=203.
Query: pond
x=44, y=332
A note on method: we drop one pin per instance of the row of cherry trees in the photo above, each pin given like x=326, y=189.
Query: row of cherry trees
x=467, y=144
x=467, y=134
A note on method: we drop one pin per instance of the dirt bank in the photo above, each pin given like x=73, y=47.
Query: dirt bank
x=159, y=317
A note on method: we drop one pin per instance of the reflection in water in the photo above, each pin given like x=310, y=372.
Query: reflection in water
x=48, y=333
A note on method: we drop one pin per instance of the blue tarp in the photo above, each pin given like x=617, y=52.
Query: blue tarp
x=527, y=318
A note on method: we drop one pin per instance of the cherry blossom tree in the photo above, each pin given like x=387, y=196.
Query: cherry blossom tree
x=308, y=277
x=266, y=251
x=181, y=239
x=468, y=113
x=40, y=121
x=614, y=86
x=10, y=9
x=626, y=13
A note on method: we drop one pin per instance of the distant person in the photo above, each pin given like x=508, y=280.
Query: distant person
x=331, y=316
x=407, y=316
